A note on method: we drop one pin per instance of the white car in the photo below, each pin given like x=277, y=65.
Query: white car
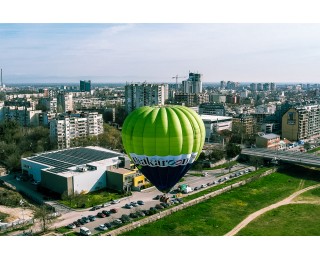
x=115, y=201
x=102, y=227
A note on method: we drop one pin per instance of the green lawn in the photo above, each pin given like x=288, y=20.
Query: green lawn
x=288, y=220
x=217, y=216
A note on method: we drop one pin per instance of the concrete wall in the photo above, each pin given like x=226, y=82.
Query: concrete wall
x=33, y=168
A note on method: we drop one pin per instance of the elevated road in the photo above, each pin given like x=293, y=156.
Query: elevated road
x=293, y=157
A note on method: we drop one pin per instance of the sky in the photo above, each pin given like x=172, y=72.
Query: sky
x=153, y=41
x=156, y=52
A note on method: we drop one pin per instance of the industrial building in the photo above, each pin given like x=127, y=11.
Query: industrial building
x=83, y=170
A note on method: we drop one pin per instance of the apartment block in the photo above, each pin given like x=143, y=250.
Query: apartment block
x=145, y=94
x=68, y=127
x=301, y=122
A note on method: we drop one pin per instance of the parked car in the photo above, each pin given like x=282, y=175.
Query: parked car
x=196, y=188
x=128, y=206
x=113, y=210
x=106, y=212
x=101, y=215
x=203, y=185
x=102, y=227
x=95, y=208
x=165, y=205
x=105, y=205
x=141, y=214
x=133, y=215
x=117, y=221
x=92, y=218
x=158, y=206
x=140, y=202
x=77, y=223
x=86, y=219
x=157, y=197
x=115, y=201
x=71, y=225
x=108, y=225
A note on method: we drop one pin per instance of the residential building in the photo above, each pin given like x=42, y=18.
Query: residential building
x=68, y=127
x=64, y=102
x=145, y=94
x=25, y=116
x=246, y=123
x=301, y=122
x=85, y=86
x=191, y=99
x=193, y=85
x=49, y=103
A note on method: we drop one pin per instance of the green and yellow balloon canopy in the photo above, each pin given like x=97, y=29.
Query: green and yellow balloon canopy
x=163, y=141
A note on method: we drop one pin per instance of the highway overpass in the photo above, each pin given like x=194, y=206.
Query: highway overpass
x=293, y=157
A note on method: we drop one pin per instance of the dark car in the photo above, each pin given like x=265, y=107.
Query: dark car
x=92, y=218
x=95, y=208
x=108, y=225
x=146, y=212
x=140, y=214
x=140, y=202
x=133, y=215
x=81, y=221
x=113, y=210
x=165, y=205
x=125, y=218
x=101, y=215
x=106, y=212
x=196, y=188
x=158, y=206
x=157, y=197
x=77, y=223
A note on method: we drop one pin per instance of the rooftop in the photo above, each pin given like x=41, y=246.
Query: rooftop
x=62, y=160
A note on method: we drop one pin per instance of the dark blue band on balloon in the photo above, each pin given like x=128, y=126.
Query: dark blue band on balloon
x=164, y=178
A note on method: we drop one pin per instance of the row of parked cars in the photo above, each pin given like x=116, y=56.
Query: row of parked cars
x=133, y=204
x=126, y=218
x=223, y=179
x=90, y=218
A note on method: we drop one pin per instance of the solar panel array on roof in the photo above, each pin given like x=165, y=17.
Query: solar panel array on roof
x=62, y=160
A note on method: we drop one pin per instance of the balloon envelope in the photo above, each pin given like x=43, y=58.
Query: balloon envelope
x=163, y=142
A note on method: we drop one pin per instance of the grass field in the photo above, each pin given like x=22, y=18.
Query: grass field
x=288, y=220
x=217, y=216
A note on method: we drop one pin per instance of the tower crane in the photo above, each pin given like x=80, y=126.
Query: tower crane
x=177, y=77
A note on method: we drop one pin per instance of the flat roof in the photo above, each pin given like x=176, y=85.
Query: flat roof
x=121, y=170
x=62, y=160
x=270, y=136
x=215, y=118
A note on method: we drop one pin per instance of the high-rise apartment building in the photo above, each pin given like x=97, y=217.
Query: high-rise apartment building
x=193, y=84
x=138, y=95
x=64, y=102
x=301, y=122
x=68, y=127
x=85, y=85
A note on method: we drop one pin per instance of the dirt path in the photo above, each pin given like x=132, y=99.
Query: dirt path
x=254, y=215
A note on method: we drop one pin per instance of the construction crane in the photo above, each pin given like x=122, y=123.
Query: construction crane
x=177, y=77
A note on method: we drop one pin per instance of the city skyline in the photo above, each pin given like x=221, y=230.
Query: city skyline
x=156, y=52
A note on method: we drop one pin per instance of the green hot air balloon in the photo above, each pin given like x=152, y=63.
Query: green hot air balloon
x=163, y=142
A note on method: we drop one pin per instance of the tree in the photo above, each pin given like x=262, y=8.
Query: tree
x=306, y=145
x=232, y=150
x=255, y=161
x=216, y=154
x=43, y=214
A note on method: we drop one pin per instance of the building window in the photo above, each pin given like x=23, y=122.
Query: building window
x=291, y=118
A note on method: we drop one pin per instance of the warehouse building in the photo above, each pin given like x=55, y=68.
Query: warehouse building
x=82, y=170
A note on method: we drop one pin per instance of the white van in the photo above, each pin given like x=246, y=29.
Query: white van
x=85, y=231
